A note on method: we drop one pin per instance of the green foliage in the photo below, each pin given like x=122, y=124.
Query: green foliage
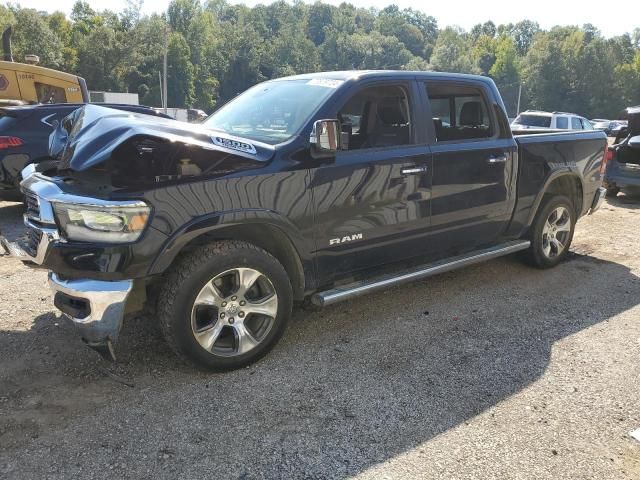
x=216, y=49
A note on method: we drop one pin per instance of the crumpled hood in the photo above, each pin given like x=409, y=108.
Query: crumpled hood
x=90, y=135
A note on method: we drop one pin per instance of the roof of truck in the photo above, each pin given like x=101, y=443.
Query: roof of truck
x=355, y=74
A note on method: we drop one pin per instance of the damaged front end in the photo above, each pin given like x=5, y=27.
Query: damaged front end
x=86, y=217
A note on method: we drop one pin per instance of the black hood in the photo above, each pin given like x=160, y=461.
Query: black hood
x=93, y=134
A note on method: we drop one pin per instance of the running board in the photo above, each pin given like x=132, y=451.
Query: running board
x=352, y=290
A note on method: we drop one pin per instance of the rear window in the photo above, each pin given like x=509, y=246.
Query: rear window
x=6, y=122
x=528, y=120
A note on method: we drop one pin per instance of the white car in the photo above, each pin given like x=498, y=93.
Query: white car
x=533, y=119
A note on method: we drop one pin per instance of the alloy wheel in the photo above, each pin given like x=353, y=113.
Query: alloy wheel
x=234, y=312
x=556, y=232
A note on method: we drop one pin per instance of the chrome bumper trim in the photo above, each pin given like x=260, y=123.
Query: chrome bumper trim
x=107, y=302
x=598, y=199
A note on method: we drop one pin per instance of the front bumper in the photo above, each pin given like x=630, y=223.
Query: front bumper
x=96, y=307
x=598, y=199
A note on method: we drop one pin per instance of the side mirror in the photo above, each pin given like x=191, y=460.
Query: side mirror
x=325, y=138
x=634, y=142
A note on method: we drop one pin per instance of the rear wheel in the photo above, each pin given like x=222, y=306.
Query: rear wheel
x=225, y=305
x=552, y=232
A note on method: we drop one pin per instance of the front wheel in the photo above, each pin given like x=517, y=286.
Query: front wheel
x=552, y=232
x=225, y=305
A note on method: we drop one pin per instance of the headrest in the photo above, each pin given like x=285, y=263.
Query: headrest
x=471, y=114
x=390, y=113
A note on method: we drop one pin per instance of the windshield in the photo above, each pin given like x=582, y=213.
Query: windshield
x=272, y=112
x=533, y=121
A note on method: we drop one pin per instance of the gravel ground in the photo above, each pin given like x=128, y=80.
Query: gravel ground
x=495, y=371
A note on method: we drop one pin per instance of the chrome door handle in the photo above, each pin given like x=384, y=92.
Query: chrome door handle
x=413, y=170
x=497, y=159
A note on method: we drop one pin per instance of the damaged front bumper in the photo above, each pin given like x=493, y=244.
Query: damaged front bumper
x=96, y=307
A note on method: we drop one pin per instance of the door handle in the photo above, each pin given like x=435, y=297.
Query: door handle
x=413, y=170
x=502, y=158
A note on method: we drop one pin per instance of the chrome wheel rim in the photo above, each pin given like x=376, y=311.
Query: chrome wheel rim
x=234, y=312
x=556, y=231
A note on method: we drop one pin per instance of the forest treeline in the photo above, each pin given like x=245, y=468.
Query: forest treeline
x=216, y=50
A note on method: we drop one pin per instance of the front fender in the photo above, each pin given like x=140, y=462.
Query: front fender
x=218, y=222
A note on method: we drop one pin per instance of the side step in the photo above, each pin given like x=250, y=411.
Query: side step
x=352, y=290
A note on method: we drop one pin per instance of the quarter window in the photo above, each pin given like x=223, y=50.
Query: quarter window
x=376, y=117
x=459, y=113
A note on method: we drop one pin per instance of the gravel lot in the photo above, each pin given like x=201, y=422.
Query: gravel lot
x=496, y=371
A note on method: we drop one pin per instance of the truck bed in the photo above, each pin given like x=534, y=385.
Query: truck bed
x=542, y=152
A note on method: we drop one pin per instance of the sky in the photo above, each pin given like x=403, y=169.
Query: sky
x=465, y=13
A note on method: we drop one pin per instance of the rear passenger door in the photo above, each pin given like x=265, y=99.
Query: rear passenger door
x=474, y=167
x=373, y=202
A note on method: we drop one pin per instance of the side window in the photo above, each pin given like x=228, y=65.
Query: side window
x=562, y=123
x=49, y=93
x=575, y=123
x=376, y=117
x=459, y=112
x=586, y=124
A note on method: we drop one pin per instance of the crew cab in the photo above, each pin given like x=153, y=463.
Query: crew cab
x=319, y=187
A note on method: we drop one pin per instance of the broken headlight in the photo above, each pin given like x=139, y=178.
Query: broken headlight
x=102, y=223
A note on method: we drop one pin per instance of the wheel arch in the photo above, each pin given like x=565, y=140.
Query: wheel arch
x=565, y=183
x=272, y=237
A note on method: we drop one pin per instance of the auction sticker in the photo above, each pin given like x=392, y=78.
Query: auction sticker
x=325, y=82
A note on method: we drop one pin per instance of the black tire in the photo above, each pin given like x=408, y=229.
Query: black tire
x=612, y=192
x=185, y=283
x=536, y=255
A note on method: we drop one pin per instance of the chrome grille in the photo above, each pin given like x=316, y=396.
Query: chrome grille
x=33, y=204
x=31, y=241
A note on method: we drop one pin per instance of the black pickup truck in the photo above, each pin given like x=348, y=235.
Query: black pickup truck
x=318, y=187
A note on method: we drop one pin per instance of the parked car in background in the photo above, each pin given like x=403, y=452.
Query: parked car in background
x=537, y=120
x=281, y=196
x=603, y=125
x=623, y=158
x=618, y=130
x=25, y=130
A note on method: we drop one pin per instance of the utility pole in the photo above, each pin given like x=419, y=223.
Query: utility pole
x=519, y=96
x=164, y=68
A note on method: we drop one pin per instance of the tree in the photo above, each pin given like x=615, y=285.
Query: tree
x=181, y=13
x=505, y=72
x=32, y=35
x=180, y=74
x=320, y=16
x=452, y=53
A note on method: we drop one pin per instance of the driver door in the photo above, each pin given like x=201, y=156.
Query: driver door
x=373, y=203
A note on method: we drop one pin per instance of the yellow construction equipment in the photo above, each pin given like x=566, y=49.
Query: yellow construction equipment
x=29, y=83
